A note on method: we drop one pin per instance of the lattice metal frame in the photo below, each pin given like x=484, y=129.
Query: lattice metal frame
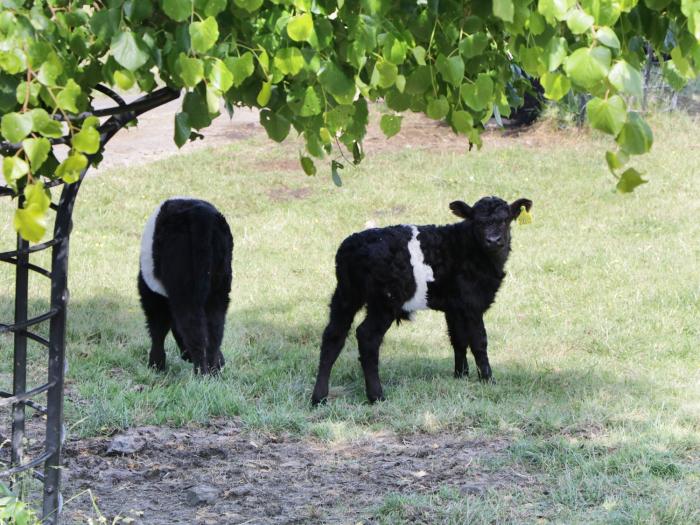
x=21, y=398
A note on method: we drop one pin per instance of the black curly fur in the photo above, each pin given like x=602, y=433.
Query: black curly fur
x=373, y=269
x=192, y=253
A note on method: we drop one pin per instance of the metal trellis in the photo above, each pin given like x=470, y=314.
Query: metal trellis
x=21, y=398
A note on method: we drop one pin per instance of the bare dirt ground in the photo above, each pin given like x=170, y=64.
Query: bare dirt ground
x=224, y=475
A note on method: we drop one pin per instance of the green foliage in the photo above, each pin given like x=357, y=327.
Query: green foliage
x=16, y=512
x=390, y=124
x=314, y=66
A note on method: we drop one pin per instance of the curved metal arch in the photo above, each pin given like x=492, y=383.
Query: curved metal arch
x=20, y=398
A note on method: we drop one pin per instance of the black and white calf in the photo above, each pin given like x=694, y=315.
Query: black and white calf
x=397, y=270
x=185, y=280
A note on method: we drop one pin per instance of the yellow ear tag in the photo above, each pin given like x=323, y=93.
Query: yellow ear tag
x=524, y=217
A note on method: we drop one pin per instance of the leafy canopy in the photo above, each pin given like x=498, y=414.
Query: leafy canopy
x=313, y=65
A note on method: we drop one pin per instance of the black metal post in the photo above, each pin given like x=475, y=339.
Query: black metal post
x=19, y=368
x=20, y=398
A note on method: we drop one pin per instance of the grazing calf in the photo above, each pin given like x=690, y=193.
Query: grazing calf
x=395, y=271
x=185, y=280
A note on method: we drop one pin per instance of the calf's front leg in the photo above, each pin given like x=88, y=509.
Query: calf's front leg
x=476, y=333
x=457, y=330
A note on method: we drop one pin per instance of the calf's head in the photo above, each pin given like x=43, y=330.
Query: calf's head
x=491, y=218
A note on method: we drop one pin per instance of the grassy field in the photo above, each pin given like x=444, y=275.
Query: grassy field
x=593, y=338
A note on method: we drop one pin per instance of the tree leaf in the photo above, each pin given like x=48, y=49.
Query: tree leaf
x=555, y=85
x=50, y=70
x=419, y=54
x=276, y=125
x=635, y=137
x=337, y=83
x=626, y=78
x=70, y=169
x=473, y=45
x=419, y=81
x=437, y=108
x=578, y=21
x=124, y=78
x=182, y=129
x=462, y=121
x=629, y=180
x=191, y=70
x=308, y=165
x=138, y=10
x=554, y=10
x=555, y=52
x=335, y=166
x=13, y=169
x=504, y=9
x=241, y=67
x=16, y=126
x=196, y=107
x=30, y=220
x=384, y=74
x=218, y=75
x=264, y=94
x=87, y=140
x=478, y=95
x=178, y=10
x=67, y=98
x=300, y=27
x=390, y=125
x=44, y=124
x=608, y=38
x=37, y=151
x=214, y=7
x=289, y=60
x=248, y=5
x=451, y=69
x=588, y=66
x=616, y=160
x=608, y=115
x=129, y=50
x=204, y=34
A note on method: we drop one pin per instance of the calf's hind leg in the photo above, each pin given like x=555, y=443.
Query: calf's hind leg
x=370, y=334
x=342, y=312
x=216, y=319
x=158, y=321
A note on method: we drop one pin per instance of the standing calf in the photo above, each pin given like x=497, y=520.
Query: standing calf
x=395, y=271
x=185, y=279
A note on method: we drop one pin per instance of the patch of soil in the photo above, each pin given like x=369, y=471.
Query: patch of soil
x=224, y=475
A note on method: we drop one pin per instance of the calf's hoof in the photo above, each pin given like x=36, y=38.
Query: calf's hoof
x=319, y=396
x=315, y=401
x=485, y=376
x=461, y=374
x=375, y=398
x=156, y=365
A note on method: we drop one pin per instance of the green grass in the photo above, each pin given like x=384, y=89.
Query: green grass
x=593, y=338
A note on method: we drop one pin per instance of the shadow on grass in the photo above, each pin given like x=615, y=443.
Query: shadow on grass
x=272, y=358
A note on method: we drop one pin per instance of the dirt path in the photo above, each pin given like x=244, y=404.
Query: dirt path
x=264, y=479
x=152, y=139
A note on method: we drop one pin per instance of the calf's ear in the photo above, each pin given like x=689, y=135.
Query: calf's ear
x=516, y=205
x=461, y=209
